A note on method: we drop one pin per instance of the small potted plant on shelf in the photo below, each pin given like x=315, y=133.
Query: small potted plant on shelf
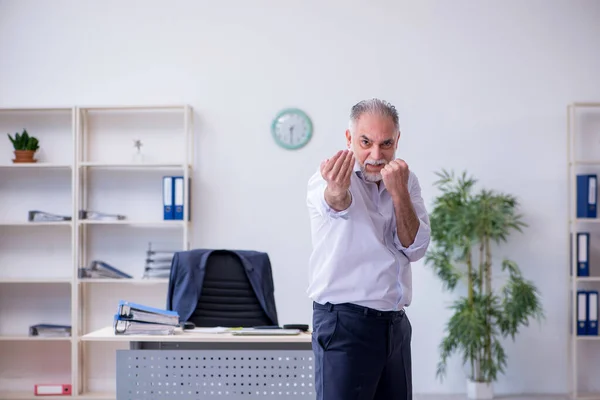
x=466, y=227
x=25, y=147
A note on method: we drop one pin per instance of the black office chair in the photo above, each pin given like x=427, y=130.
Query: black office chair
x=227, y=298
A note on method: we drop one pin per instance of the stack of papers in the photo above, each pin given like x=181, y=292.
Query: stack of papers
x=138, y=319
x=158, y=263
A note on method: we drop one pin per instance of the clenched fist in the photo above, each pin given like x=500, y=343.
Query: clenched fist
x=395, y=176
x=337, y=171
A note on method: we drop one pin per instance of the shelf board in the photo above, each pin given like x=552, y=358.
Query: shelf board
x=585, y=162
x=583, y=337
x=158, y=223
x=587, y=278
x=36, y=165
x=586, y=396
x=149, y=107
x=18, y=395
x=586, y=220
x=125, y=165
x=97, y=396
x=37, y=223
x=35, y=109
x=23, y=338
x=585, y=104
x=128, y=281
x=34, y=280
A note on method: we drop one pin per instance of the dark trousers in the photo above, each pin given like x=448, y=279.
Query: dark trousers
x=361, y=353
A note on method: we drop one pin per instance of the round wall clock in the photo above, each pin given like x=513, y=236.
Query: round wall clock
x=291, y=128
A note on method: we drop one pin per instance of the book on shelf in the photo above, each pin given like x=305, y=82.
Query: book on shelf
x=587, y=312
x=157, y=269
x=44, y=216
x=50, y=330
x=173, y=197
x=99, y=216
x=101, y=269
x=587, y=195
x=158, y=263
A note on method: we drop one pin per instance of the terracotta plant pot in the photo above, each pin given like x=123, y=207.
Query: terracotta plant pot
x=24, y=156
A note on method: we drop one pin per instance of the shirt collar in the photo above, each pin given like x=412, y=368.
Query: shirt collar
x=357, y=169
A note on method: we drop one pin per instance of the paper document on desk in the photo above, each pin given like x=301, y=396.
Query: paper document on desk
x=216, y=329
x=266, y=332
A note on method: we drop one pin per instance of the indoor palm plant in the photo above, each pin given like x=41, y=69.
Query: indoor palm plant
x=466, y=226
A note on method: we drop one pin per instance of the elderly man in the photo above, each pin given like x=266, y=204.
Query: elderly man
x=368, y=223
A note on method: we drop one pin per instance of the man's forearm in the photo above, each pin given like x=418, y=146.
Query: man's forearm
x=407, y=221
x=338, y=202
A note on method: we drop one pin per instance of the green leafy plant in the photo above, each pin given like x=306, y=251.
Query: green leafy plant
x=24, y=141
x=464, y=226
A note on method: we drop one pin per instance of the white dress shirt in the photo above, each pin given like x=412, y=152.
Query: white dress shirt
x=357, y=256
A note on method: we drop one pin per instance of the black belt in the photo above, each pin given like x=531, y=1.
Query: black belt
x=358, y=309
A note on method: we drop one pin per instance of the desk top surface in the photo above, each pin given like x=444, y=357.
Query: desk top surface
x=108, y=334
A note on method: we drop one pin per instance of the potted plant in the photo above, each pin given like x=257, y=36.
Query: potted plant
x=25, y=147
x=464, y=226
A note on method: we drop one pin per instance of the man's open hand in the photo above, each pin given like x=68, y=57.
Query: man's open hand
x=337, y=171
x=395, y=177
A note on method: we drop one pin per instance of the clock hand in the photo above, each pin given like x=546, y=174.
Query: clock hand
x=291, y=133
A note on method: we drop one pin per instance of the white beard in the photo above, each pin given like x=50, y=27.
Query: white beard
x=372, y=176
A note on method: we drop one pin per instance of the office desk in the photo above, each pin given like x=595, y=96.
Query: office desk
x=189, y=365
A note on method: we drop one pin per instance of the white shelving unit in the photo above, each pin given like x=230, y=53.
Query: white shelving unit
x=86, y=161
x=583, y=149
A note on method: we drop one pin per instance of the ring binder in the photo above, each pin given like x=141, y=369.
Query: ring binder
x=587, y=194
x=132, y=318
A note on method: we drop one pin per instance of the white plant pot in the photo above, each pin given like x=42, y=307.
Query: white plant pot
x=479, y=390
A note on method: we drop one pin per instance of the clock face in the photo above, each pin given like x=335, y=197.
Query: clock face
x=291, y=129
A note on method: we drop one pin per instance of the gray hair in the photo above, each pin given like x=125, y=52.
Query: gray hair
x=373, y=106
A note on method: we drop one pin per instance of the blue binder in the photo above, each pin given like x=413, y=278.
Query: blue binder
x=592, y=313
x=583, y=254
x=587, y=194
x=582, y=312
x=168, y=210
x=178, y=197
x=142, y=313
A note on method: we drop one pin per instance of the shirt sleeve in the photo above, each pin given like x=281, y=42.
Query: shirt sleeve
x=419, y=246
x=315, y=199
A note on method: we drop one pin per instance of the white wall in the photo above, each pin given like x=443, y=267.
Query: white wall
x=480, y=86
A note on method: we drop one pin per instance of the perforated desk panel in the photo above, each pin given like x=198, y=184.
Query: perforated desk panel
x=197, y=366
x=215, y=374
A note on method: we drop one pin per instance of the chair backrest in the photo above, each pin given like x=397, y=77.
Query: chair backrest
x=227, y=298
